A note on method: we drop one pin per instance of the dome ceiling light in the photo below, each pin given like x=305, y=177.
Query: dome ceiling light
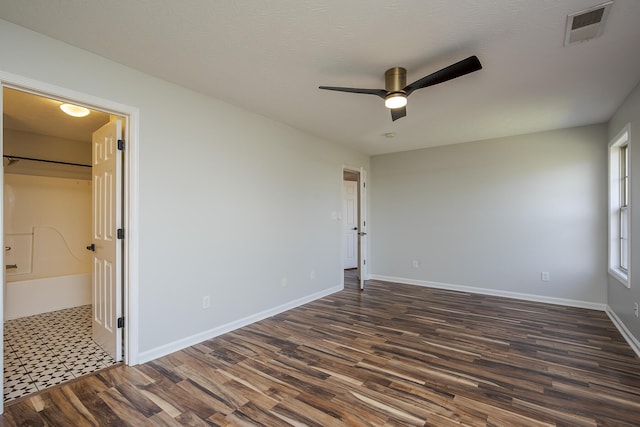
x=75, y=110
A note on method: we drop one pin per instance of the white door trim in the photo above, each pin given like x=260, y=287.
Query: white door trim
x=130, y=195
x=363, y=228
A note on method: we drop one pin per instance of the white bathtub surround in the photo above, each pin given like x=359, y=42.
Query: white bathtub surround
x=47, y=227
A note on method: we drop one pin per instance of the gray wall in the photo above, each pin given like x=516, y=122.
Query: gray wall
x=230, y=201
x=494, y=214
x=621, y=298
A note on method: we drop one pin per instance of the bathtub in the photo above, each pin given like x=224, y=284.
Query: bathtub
x=35, y=296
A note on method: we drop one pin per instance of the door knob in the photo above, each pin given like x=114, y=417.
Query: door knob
x=91, y=247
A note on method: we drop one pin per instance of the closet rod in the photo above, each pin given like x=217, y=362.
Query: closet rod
x=45, y=161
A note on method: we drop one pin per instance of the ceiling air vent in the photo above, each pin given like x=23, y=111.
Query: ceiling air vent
x=586, y=24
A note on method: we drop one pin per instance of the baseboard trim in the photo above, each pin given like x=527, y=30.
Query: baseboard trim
x=626, y=334
x=493, y=292
x=180, y=344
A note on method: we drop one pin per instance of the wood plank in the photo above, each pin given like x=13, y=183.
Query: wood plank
x=391, y=355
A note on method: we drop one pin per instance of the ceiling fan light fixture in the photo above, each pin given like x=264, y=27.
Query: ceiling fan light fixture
x=395, y=100
x=75, y=110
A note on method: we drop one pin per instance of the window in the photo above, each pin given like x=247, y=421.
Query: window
x=624, y=208
x=619, y=206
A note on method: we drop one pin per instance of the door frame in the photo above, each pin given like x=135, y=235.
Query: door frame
x=362, y=226
x=130, y=215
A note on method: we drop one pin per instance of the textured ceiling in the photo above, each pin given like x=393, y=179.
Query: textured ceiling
x=270, y=56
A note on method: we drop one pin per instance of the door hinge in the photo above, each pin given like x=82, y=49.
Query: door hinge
x=120, y=322
x=121, y=144
x=120, y=233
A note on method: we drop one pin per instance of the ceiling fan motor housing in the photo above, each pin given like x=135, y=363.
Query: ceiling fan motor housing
x=395, y=80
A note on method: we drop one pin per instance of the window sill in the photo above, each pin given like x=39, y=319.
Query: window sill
x=620, y=276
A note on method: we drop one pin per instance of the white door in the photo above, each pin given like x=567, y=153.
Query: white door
x=350, y=214
x=107, y=216
x=362, y=227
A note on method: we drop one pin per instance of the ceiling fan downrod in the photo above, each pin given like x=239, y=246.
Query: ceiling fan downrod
x=395, y=79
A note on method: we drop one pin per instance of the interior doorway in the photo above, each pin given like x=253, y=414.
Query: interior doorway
x=354, y=223
x=47, y=165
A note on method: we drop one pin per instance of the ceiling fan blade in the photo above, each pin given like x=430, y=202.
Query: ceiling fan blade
x=379, y=92
x=453, y=71
x=398, y=113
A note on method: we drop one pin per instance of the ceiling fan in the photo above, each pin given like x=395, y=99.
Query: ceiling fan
x=397, y=90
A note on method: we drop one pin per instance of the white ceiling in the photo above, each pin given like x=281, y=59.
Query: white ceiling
x=270, y=57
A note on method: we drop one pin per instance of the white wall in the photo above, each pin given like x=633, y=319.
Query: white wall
x=621, y=299
x=230, y=202
x=492, y=215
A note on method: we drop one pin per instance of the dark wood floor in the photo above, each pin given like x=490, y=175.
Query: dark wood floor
x=391, y=355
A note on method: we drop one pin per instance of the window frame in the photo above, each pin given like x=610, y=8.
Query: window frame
x=620, y=206
x=623, y=211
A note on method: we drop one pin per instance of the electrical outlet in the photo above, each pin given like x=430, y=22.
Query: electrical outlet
x=312, y=276
x=545, y=276
x=635, y=309
x=206, y=302
x=284, y=282
x=416, y=263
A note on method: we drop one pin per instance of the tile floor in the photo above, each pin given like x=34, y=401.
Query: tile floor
x=46, y=349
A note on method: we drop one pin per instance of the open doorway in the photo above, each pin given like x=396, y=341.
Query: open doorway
x=48, y=231
x=354, y=226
